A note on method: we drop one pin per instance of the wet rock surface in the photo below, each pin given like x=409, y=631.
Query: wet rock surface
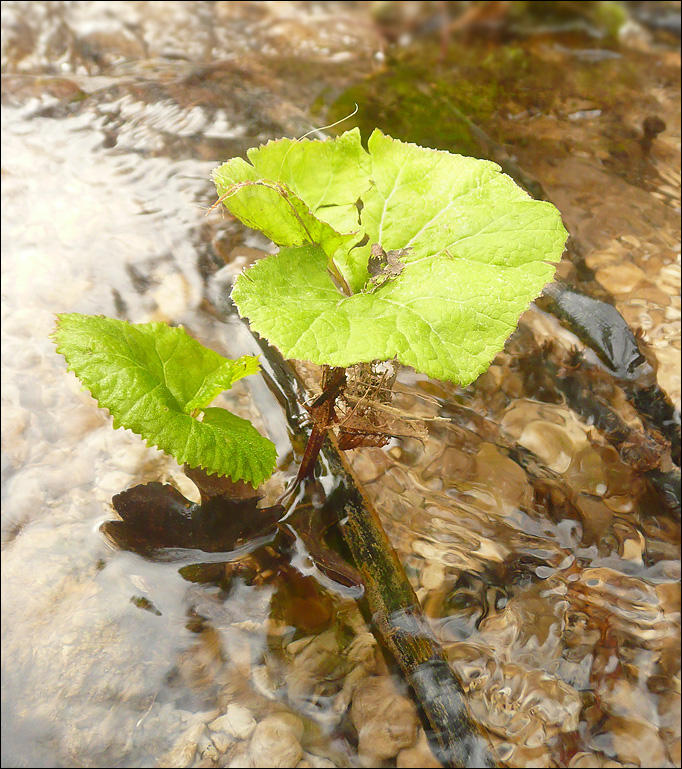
x=386, y=722
x=548, y=565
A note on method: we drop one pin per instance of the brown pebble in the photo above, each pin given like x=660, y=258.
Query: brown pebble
x=386, y=721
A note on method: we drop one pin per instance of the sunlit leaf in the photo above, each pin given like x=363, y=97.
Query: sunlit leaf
x=154, y=380
x=469, y=251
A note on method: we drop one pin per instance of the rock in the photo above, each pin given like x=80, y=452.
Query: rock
x=184, y=750
x=550, y=442
x=274, y=744
x=202, y=717
x=385, y=720
x=222, y=741
x=209, y=752
x=237, y=722
x=344, y=697
x=263, y=683
x=419, y=755
x=585, y=760
x=633, y=739
x=621, y=278
x=532, y=758
x=316, y=762
x=239, y=759
x=289, y=721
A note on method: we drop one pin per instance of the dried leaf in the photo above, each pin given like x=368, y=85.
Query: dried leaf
x=384, y=265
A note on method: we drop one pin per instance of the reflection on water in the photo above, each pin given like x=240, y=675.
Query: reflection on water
x=546, y=561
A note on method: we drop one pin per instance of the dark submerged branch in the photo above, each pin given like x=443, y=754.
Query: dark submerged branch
x=393, y=605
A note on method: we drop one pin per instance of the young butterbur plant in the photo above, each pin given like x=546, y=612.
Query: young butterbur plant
x=394, y=253
x=391, y=255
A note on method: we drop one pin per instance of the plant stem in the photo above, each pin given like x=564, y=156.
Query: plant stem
x=337, y=277
x=323, y=415
x=397, y=616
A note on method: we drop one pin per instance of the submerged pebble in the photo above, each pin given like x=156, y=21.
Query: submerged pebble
x=417, y=755
x=237, y=722
x=275, y=742
x=386, y=721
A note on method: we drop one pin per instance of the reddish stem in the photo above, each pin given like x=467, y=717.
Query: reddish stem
x=323, y=414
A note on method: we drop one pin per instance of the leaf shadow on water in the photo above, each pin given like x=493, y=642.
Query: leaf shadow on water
x=228, y=533
x=156, y=516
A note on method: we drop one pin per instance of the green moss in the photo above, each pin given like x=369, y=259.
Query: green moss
x=420, y=99
x=498, y=88
x=415, y=103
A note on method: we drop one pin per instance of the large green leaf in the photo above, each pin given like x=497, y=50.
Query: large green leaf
x=479, y=250
x=154, y=380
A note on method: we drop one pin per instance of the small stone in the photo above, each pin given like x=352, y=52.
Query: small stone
x=173, y=297
x=385, y=720
x=222, y=741
x=204, y=717
x=240, y=759
x=620, y=278
x=532, y=758
x=274, y=744
x=317, y=762
x=550, y=442
x=263, y=683
x=585, y=761
x=289, y=721
x=433, y=575
x=209, y=752
x=345, y=696
x=183, y=751
x=237, y=722
x=419, y=755
x=633, y=739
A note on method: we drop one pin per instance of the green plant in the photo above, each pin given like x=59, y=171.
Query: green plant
x=394, y=252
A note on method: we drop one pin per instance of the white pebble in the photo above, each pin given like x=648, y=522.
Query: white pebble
x=237, y=722
x=274, y=745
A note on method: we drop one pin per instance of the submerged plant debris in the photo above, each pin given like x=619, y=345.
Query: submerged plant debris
x=157, y=516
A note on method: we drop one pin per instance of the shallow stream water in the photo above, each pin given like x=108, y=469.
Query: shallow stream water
x=556, y=591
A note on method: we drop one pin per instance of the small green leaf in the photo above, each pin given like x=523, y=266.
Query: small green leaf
x=274, y=209
x=152, y=378
x=469, y=251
